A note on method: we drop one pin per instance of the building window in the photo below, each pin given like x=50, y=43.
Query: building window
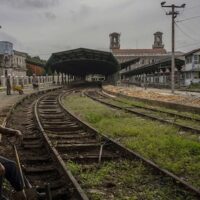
x=188, y=59
x=196, y=59
x=188, y=75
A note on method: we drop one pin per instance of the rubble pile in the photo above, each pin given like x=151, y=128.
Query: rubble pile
x=159, y=95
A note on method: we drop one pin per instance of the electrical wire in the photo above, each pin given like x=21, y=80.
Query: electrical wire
x=188, y=45
x=187, y=35
x=190, y=8
x=187, y=19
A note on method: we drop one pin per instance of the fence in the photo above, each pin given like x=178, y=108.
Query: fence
x=27, y=80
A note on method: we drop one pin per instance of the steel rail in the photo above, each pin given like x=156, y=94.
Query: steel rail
x=80, y=194
x=154, y=109
x=18, y=133
x=134, y=155
x=183, y=127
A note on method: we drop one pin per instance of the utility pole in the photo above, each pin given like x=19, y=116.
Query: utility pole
x=174, y=14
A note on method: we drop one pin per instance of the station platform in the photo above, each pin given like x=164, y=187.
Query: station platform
x=7, y=101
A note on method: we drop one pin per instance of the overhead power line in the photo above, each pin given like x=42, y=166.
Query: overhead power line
x=189, y=45
x=187, y=19
x=190, y=8
x=187, y=35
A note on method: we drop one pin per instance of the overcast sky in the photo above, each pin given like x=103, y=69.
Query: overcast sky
x=40, y=27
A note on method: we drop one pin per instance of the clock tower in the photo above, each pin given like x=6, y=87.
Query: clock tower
x=114, y=41
x=158, y=44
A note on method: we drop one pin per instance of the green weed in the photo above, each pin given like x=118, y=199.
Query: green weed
x=161, y=143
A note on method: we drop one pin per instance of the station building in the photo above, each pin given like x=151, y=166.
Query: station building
x=153, y=66
x=147, y=56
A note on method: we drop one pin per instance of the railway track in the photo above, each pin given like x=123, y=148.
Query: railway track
x=71, y=140
x=76, y=141
x=54, y=137
x=186, y=123
x=42, y=164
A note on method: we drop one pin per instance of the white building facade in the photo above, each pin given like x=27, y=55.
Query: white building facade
x=11, y=62
x=192, y=67
x=19, y=63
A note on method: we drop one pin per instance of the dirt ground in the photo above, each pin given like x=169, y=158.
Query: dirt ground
x=161, y=95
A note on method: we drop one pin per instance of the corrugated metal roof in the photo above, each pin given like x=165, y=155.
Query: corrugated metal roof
x=83, y=61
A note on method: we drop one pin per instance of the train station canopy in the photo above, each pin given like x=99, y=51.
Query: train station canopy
x=129, y=63
x=81, y=62
x=151, y=68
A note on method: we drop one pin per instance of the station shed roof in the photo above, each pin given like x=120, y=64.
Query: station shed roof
x=129, y=63
x=191, y=52
x=161, y=64
x=82, y=61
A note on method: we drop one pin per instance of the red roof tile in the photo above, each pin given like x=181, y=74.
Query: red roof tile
x=139, y=51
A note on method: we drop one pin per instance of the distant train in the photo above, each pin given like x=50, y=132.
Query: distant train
x=95, y=78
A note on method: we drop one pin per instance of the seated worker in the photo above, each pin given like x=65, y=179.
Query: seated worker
x=16, y=87
x=9, y=169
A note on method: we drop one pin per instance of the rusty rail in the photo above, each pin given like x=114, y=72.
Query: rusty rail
x=66, y=172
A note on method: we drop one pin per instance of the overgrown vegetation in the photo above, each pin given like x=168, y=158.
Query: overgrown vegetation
x=124, y=179
x=194, y=86
x=164, y=144
x=158, y=113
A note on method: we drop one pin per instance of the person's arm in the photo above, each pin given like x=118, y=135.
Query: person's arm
x=2, y=170
x=11, y=132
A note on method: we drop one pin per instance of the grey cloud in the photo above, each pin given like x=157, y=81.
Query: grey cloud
x=50, y=15
x=61, y=47
x=7, y=37
x=84, y=10
x=17, y=44
x=82, y=13
x=30, y=3
x=125, y=4
x=87, y=23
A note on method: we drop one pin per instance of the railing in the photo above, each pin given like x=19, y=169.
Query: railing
x=27, y=80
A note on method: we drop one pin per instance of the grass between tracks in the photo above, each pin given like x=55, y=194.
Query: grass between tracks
x=161, y=143
x=123, y=180
x=186, y=122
